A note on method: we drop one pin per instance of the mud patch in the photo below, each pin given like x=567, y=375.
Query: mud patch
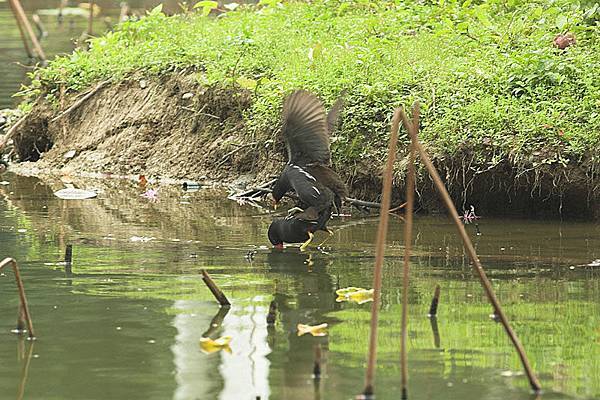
x=171, y=126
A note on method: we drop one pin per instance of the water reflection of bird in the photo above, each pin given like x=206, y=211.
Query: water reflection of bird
x=305, y=132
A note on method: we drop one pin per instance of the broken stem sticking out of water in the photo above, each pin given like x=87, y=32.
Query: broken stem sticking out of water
x=24, y=315
x=487, y=286
x=214, y=289
x=434, y=302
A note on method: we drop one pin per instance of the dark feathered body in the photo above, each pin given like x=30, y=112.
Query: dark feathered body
x=306, y=134
x=295, y=230
x=305, y=131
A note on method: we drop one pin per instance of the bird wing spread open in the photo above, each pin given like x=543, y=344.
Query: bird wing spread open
x=305, y=129
x=334, y=113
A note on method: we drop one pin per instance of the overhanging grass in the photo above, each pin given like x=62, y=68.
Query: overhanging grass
x=487, y=74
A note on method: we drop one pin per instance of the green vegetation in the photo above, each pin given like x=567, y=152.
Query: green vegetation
x=492, y=84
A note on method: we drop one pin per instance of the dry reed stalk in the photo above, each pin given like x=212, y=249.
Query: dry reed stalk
x=379, y=254
x=487, y=286
x=21, y=31
x=23, y=307
x=410, y=198
x=90, y=31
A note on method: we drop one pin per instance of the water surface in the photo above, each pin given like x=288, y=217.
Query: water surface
x=124, y=322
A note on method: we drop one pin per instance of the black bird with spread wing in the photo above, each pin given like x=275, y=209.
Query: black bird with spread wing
x=305, y=131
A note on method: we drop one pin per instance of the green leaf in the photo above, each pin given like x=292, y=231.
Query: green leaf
x=206, y=6
x=269, y=3
x=462, y=26
x=561, y=21
x=156, y=10
x=483, y=17
x=246, y=83
x=206, y=3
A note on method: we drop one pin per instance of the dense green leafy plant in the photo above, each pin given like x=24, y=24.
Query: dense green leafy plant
x=486, y=72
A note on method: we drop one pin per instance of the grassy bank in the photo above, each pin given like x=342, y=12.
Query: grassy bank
x=497, y=95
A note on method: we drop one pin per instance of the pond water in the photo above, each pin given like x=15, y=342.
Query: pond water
x=124, y=321
x=14, y=64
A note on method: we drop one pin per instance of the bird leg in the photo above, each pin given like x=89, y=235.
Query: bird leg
x=305, y=244
x=330, y=232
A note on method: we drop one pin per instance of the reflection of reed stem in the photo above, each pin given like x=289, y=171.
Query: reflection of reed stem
x=216, y=322
x=272, y=315
x=410, y=197
x=435, y=331
x=435, y=301
x=533, y=381
x=24, y=314
x=317, y=366
x=219, y=295
x=25, y=373
x=69, y=260
x=379, y=253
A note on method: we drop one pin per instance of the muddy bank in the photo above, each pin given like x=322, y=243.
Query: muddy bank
x=173, y=127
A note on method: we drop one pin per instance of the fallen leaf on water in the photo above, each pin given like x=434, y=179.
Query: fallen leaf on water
x=141, y=239
x=316, y=330
x=355, y=295
x=75, y=194
x=208, y=345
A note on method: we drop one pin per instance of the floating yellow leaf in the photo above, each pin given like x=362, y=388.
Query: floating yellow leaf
x=345, y=291
x=208, y=345
x=317, y=330
x=355, y=295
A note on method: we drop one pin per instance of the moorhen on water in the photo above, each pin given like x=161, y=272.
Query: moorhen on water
x=305, y=132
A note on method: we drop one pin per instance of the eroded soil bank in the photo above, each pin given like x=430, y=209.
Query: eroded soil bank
x=172, y=127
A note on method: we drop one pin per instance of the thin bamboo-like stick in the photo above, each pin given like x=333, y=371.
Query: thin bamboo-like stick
x=487, y=286
x=90, y=30
x=23, y=307
x=410, y=198
x=379, y=253
x=21, y=31
x=18, y=9
x=219, y=295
